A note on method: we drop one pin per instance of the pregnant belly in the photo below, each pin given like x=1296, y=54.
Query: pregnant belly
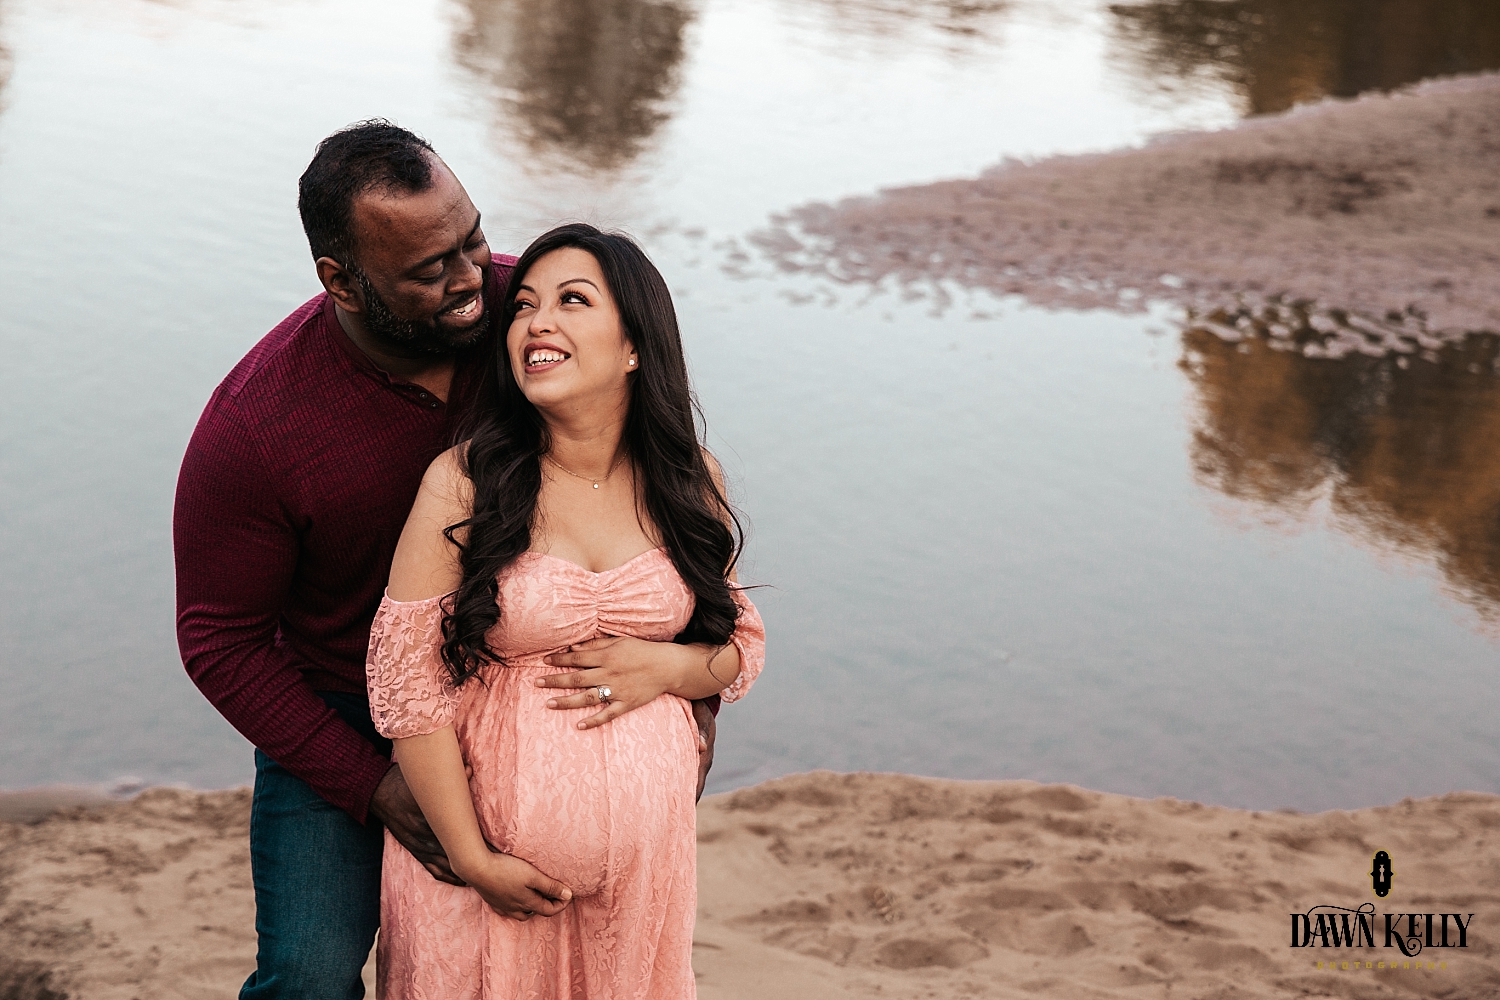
x=583, y=806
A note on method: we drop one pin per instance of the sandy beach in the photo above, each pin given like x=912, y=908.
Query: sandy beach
x=857, y=885
x=1386, y=206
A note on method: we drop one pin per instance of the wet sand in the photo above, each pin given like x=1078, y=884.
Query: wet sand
x=1386, y=205
x=831, y=885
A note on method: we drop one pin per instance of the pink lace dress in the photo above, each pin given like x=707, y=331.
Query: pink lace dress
x=609, y=812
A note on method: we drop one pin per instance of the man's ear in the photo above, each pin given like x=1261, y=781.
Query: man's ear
x=339, y=282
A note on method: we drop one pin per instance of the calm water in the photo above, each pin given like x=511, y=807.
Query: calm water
x=998, y=541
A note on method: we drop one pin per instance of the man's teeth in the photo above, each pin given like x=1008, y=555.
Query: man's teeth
x=545, y=357
x=466, y=309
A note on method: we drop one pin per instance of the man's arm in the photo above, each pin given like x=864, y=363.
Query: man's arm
x=236, y=552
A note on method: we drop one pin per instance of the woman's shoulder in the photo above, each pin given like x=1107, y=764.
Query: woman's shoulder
x=426, y=562
x=446, y=484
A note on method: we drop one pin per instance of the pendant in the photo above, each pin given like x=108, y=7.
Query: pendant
x=596, y=486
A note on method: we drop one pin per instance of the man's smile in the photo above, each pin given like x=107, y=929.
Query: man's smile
x=467, y=311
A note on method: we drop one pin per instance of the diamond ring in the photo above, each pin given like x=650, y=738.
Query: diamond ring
x=604, y=694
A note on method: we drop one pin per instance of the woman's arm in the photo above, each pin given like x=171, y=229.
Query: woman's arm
x=426, y=566
x=434, y=769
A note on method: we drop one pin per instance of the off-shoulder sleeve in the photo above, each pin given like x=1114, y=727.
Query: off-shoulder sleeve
x=750, y=639
x=411, y=693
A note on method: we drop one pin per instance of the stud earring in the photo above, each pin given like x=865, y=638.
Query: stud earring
x=632, y=362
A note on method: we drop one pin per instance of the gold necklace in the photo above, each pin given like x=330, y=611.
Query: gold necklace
x=587, y=479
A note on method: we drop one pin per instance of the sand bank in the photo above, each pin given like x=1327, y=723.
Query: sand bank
x=1387, y=206
x=827, y=885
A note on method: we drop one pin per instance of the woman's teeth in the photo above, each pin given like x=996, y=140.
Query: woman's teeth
x=545, y=357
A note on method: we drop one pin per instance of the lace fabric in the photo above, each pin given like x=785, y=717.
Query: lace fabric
x=607, y=811
x=411, y=693
x=750, y=639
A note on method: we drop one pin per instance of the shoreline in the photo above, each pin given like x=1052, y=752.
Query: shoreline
x=32, y=805
x=826, y=884
x=1369, y=224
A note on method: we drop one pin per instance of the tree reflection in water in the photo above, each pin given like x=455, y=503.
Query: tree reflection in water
x=5, y=61
x=1277, y=53
x=955, y=25
x=1405, y=446
x=583, y=82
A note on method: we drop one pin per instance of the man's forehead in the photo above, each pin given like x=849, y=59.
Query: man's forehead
x=413, y=223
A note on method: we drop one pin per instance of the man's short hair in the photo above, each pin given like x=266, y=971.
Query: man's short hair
x=371, y=155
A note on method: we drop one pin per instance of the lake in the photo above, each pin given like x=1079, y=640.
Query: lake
x=995, y=541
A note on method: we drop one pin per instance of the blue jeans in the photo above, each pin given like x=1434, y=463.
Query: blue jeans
x=317, y=881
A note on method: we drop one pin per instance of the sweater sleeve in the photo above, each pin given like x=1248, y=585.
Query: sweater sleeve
x=236, y=550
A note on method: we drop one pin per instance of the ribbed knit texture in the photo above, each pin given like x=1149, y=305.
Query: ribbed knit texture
x=293, y=493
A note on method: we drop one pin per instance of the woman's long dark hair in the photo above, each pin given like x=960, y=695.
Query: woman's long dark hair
x=507, y=439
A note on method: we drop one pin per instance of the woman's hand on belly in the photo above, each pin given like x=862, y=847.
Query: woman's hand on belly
x=635, y=671
x=513, y=888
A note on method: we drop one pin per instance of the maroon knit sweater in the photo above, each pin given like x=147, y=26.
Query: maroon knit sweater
x=293, y=492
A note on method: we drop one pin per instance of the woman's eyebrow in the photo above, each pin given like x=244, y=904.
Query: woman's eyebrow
x=584, y=280
x=526, y=288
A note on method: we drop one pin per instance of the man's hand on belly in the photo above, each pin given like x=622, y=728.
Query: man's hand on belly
x=708, y=727
x=395, y=806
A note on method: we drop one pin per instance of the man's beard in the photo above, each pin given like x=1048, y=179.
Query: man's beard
x=413, y=336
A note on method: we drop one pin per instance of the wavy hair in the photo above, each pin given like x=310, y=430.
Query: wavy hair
x=507, y=438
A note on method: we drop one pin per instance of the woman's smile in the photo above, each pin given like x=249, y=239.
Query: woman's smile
x=542, y=357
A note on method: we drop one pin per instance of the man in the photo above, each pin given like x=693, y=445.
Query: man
x=293, y=492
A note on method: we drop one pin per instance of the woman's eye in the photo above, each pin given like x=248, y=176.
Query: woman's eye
x=522, y=305
x=574, y=297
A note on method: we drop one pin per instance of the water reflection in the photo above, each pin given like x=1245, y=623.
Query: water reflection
x=5, y=60
x=1277, y=53
x=1405, y=447
x=583, y=82
x=955, y=25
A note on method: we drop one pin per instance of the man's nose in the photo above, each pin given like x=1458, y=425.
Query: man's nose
x=470, y=277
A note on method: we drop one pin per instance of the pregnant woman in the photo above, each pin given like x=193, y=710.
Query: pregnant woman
x=563, y=588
